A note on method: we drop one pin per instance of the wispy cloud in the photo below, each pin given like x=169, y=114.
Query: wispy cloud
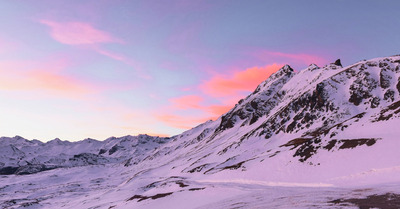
x=128, y=61
x=86, y=35
x=287, y=58
x=77, y=33
x=111, y=54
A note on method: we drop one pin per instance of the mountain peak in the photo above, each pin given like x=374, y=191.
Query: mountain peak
x=338, y=63
x=334, y=66
x=56, y=141
x=286, y=68
x=312, y=67
x=19, y=138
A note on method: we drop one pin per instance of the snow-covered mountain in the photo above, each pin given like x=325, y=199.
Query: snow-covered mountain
x=324, y=130
x=21, y=156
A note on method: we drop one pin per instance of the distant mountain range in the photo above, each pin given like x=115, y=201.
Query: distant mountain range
x=328, y=126
x=20, y=156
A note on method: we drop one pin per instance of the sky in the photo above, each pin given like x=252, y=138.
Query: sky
x=95, y=69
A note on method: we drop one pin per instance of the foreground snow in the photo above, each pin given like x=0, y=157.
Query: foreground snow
x=111, y=187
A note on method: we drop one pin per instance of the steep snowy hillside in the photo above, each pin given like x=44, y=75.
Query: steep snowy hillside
x=330, y=133
x=295, y=121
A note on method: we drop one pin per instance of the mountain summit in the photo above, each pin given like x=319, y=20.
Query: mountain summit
x=328, y=126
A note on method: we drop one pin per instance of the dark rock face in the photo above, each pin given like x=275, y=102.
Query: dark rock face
x=388, y=200
x=307, y=149
x=228, y=121
x=389, y=112
x=375, y=102
x=8, y=170
x=307, y=108
x=338, y=63
x=352, y=143
x=384, y=78
x=141, y=197
x=31, y=169
x=88, y=159
x=198, y=168
x=102, y=151
x=25, y=170
x=389, y=95
x=114, y=149
x=398, y=86
x=362, y=87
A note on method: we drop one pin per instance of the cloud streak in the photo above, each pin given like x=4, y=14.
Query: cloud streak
x=119, y=57
x=78, y=33
x=86, y=35
x=287, y=58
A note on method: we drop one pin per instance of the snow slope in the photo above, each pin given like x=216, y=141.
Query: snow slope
x=302, y=139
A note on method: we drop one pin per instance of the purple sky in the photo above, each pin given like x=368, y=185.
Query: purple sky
x=78, y=69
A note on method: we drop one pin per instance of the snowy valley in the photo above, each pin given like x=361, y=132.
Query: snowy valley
x=322, y=137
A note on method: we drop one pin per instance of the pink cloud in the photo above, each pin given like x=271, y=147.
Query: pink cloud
x=84, y=34
x=111, y=54
x=183, y=122
x=43, y=77
x=173, y=118
x=47, y=80
x=77, y=33
x=195, y=102
x=189, y=110
x=218, y=110
x=246, y=80
x=186, y=89
x=187, y=102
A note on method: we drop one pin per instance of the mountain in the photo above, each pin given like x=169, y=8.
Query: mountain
x=322, y=136
x=20, y=156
